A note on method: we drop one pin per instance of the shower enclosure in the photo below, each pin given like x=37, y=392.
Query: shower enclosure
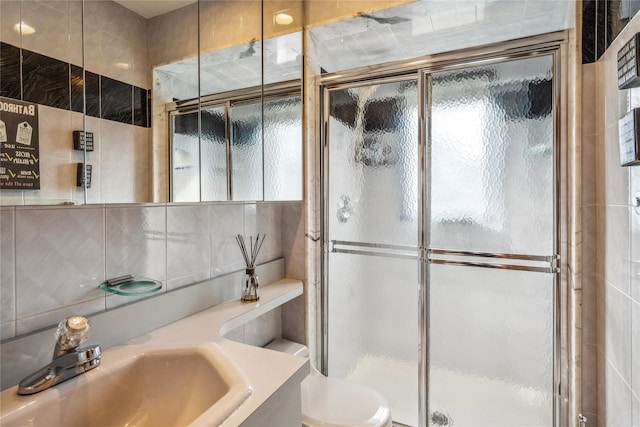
x=441, y=262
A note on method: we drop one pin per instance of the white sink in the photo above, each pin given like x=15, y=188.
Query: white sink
x=138, y=386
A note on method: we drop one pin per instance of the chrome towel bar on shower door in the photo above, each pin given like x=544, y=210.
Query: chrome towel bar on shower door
x=520, y=262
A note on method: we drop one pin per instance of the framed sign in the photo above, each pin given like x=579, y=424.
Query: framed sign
x=629, y=138
x=19, y=145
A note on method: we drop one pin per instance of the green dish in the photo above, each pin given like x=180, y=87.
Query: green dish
x=135, y=287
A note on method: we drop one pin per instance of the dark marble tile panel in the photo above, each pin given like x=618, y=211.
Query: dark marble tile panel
x=92, y=91
x=140, y=110
x=116, y=100
x=601, y=28
x=588, y=31
x=10, y=71
x=45, y=80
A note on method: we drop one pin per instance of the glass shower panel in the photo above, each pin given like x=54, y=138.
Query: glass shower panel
x=185, y=158
x=492, y=314
x=492, y=181
x=246, y=151
x=372, y=225
x=373, y=161
x=283, y=149
x=213, y=176
x=373, y=328
x=491, y=347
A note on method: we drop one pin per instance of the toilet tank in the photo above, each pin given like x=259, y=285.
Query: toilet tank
x=290, y=347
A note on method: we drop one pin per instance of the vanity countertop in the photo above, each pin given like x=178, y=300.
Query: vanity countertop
x=270, y=374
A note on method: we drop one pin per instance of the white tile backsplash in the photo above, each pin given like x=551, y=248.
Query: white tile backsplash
x=226, y=222
x=62, y=254
x=188, y=244
x=136, y=241
x=59, y=258
x=49, y=318
x=268, y=221
x=7, y=262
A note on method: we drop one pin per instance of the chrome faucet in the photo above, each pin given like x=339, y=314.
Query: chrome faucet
x=68, y=360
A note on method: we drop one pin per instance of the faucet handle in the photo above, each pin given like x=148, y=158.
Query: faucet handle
x=71, y=332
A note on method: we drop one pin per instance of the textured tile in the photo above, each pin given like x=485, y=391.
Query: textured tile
x=9, y=15
x=140, y=107
x=68, y=247
x=618, y=399
x=293, y=239
x=269, y=222
x=635, y=347
x=188, y=244
x=45, y=80
x=53, y=317
x=92, y=91
x=616, y=177
x=617, y=247
x=173, y=41
x=294, y=326
x=7, y=262
x=264, y=329
x=10, y=85
x=226, y=222
x=617, y=331
x=136, y=241
x=116, y=162
x=57, y=183
x=58, y=26
x=56, y=137
x=116, y=100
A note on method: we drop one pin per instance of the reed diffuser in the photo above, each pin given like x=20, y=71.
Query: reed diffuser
x=250, y=281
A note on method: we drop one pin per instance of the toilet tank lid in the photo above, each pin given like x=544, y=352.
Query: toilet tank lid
x=290, y=347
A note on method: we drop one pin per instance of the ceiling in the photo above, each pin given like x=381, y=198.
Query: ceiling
x=150, y=8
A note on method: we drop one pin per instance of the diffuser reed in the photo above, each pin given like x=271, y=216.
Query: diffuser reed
x=251, y=281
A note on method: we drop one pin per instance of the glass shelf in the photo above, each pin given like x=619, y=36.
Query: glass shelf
x=136, y=287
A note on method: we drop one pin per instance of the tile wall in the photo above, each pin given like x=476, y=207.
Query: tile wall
x=611, y=283
x=52, y=259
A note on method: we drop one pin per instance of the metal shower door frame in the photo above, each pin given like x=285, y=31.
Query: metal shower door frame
x=553, y=44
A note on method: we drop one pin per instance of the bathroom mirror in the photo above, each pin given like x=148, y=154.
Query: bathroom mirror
x=137, y=62
x=242, y=138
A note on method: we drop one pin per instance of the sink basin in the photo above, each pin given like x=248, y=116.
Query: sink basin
x=138, y=386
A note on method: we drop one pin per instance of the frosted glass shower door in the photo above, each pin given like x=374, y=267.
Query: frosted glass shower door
x=492, y=272
x=372, y=211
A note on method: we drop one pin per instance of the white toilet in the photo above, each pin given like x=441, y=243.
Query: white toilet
x=333, y=402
